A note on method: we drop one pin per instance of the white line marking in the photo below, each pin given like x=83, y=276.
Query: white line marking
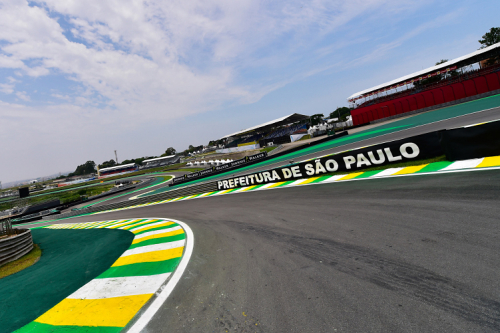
x=153, y=248
x=466, y=164
x=156, y=232
x=120, y=286
x=387, y=172
x=166, y=290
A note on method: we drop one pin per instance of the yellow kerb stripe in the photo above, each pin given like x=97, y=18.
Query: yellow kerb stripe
x=411, y=169
x=115, y=311
x=247, y=188
x=350, y=176
x=275, y=184
x=165, y=234
x=307, y=181
x=149, y=257
x=151, y=227
x=138, y=224
x=123, y=224
x=489, y=162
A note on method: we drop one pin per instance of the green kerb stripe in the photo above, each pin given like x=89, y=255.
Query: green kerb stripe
x=158, y=228
x=35, y=327
x=256, y=187
x=320, y=179
x=436, y=166
x=139, y=224
x=143, y=268
x=368, y=174
x=158, y=241
x=286, y=183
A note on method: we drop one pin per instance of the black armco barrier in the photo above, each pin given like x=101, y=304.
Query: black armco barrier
x=414, y=148
x=472, y=142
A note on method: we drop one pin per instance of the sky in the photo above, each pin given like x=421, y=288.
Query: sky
x=80, y=79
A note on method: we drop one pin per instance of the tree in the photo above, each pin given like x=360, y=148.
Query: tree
x=107, y=164
x=84, y=169
x=316, y=118
x=169, y=151
x=490, y=38
x=342, y=113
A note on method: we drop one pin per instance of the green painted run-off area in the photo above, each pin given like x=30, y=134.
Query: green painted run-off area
x=70, y=259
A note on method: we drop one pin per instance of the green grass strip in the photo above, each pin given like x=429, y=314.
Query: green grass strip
x=35, y=327
x=158, y=241
x=143, y=268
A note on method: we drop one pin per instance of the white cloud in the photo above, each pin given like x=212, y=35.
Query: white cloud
x=168, y=58
x=156, y=61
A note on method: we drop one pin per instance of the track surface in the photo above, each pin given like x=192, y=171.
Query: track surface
x=397, y=130
x=408, y=254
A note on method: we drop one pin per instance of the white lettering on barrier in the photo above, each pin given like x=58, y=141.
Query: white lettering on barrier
x=319, y=167
x=287, y=173
x=309, y=169
x=415, y=150
x=381, y=157
x=296, y=171
x=391, y=158
x=330, y=167
x=362, y=160
x=349, y=160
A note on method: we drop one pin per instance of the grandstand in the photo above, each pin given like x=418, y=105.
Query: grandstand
x=105, y=172
x=160, y=161
x=454, y=81
x=276, y=131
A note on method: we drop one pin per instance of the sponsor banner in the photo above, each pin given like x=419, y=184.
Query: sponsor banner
x=219, y=168
x=414, y=148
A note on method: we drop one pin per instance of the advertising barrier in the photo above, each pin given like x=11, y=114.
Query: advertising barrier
x=247, y=160
x=418, y=147
x=463, y=143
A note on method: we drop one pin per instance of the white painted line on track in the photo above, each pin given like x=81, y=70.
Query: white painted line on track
x=156, y=232
x=120, y=286
x=463, y=164
x=153, y=248
x=166, y=290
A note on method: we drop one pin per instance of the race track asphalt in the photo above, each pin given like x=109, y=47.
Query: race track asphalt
x=405, y=254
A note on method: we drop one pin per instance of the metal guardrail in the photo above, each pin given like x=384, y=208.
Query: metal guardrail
x=15, y=246
x=5, y=227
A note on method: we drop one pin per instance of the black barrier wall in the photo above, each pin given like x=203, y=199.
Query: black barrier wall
x=414, y=148
x=472, y=142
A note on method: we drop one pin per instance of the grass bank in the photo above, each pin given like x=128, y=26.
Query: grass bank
x=24, y=262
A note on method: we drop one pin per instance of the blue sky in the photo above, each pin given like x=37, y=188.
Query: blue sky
x=81, y=79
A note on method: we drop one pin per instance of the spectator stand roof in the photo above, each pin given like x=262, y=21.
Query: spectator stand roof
x=158, y=159
x=450, y=65
x=118, y=167
x=273, y=123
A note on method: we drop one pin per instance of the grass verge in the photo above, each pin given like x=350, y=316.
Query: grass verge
x=18, y=265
